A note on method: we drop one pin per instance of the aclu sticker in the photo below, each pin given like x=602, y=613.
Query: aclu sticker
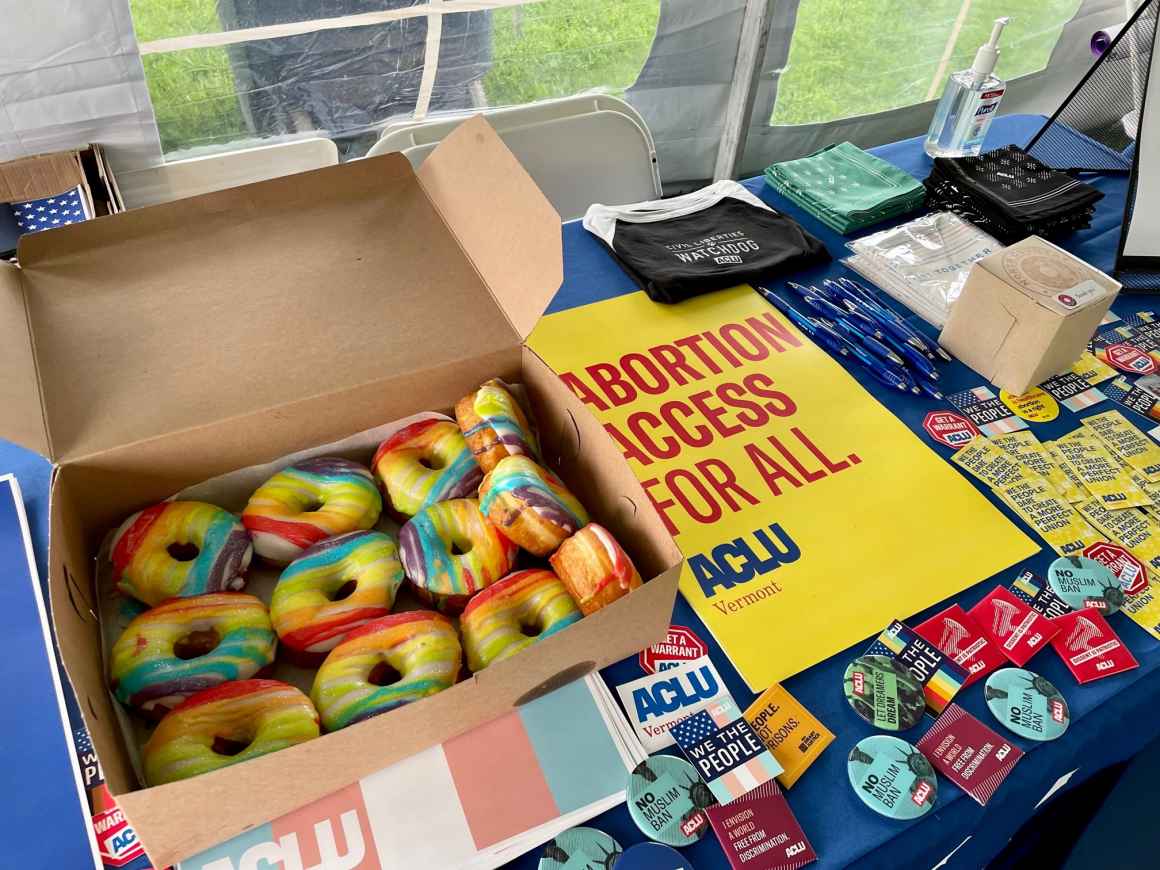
x=654, y=704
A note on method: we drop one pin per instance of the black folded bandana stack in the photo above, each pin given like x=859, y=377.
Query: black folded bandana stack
x=712, y=238
x=1011, y=195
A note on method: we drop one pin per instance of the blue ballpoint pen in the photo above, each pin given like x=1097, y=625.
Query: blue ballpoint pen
x=914, y=358
x=873, y=345
x=822, y=305
x=819, y=332
x=889, y=321
x=887, y=373
x=920, y=341
x=930, y=389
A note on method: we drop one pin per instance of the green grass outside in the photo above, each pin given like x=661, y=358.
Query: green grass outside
x=846, y=58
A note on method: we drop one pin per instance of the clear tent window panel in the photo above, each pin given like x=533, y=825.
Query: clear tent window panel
x=858, y=57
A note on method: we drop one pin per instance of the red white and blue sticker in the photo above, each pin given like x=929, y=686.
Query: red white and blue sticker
x=986, y=410
x=1072, y=391
x=728, y=754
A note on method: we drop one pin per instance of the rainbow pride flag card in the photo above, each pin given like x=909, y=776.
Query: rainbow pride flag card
x=941, y=678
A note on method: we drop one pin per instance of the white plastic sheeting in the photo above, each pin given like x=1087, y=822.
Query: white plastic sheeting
x=70, y=74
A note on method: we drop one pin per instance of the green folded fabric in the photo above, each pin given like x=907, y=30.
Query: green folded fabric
x=846, y=188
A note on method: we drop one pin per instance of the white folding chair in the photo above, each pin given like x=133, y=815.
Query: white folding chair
x=197, y=175
x=579, y=150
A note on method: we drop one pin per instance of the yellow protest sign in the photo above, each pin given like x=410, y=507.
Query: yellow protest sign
x=810, y=515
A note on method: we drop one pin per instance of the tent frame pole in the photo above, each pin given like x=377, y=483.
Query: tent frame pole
x=751, y=45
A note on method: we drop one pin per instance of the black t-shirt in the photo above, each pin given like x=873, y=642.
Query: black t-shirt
x=728, y=241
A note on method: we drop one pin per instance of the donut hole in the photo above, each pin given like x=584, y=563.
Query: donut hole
x=196, y=643
x=344, y=591
x=228, y=746
x=460, y=548
x=311, y=506
x=530, y=630
x=432, y=463
x=383, y=674
x=183, y=551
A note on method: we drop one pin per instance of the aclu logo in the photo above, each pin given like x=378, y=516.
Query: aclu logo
x=286, y=854
x=667, y=696
x=728, y=260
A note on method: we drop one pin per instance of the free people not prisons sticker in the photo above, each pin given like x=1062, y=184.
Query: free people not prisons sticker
x=1027, y=704
x=892, y=777
x=883, y=692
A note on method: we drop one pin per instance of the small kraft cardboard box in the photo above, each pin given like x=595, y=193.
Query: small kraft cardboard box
x=1026, y=313
x=151, y=350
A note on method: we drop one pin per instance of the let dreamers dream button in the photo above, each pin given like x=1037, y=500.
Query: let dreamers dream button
x=579, y=848
x=883, y=692
x=892, y=777
x=665, y=799
x=1027, y=704
x=1083, y=582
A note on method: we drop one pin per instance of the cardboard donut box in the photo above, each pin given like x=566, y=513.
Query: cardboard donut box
x=148, y=351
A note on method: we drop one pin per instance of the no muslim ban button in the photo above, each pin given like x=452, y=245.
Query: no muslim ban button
x=892, y=777
x=666, y=799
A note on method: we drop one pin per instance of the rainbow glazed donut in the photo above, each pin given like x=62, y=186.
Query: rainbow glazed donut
x=451, y=551
x=530, y=505
x=594, y=568
x=333, y=588
x=227, y=725
x=386, y=664
x=496, y=425
x=185, y=645
x=179, y=548
x=310, y=502
x=423, y=463
x=495, y=621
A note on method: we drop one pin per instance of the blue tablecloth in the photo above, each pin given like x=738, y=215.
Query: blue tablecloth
x=1112, y=719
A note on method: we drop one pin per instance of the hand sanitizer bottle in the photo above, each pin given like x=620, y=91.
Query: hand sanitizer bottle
x=968, y=104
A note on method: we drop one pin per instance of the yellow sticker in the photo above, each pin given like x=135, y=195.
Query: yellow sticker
x=1034, y=406
x=1143, y=608
x=1024, y=447
x=1100, y=471
x=1136, y=530
x=990, y=464
x=1075, y=491
x=1127, y=442
x=792, y=733
x=1054, y=519
x=1093, y=370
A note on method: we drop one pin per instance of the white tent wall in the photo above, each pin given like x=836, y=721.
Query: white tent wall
x=683, y=90
x=1040, y=92
x=70, y=74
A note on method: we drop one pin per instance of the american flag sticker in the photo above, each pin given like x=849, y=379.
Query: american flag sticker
x=983, y=408
x=49, y=212
x=727, y=753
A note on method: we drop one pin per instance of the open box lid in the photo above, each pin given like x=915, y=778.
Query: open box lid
x=162, y=319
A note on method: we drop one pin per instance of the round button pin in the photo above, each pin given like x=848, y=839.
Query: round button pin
x=580, y=847
x=1084, y=582
x=1026, y=704
x=652, y=856
x=892, y=777
x=884, y=693
x=665, y=799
